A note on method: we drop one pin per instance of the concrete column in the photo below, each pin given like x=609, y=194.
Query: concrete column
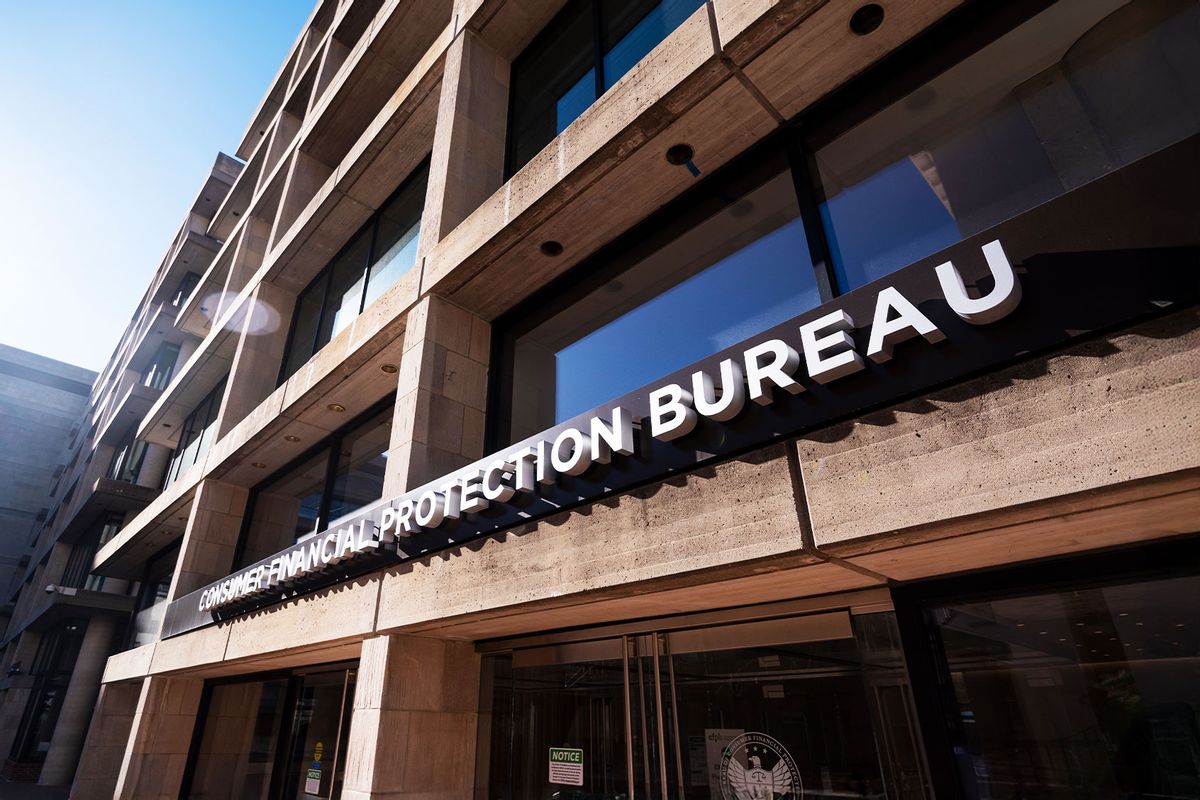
x=100, y=763
x=441, y=394
x=256, y=361
x=413, y=730
x=16, y=696
x=210, y=537
x=153, y=465
x=467, y=161
x=71, y=728
x=160, y=734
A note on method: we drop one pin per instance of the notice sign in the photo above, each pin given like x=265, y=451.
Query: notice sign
x=566, y=766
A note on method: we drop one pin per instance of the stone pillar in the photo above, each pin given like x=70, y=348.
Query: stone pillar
x=20, y=686
x=154, y=465
x=467, y=162
x=413, y=730
x=160, y=735
x=210, y=538
x=254, y=371
x=440, y=398
x=100, y=764
x=71, y=728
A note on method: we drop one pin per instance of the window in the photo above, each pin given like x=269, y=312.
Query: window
x=737, y=264
x=575, y=59
x=1086, y=691
x=196, y=434
x=1036, y=134
x=153, y=591
x=185, y=288
x=1079, y=91
x=159, y=373
x=384, y=249
x=127, y=460
x=51, y=671
x=337, y=478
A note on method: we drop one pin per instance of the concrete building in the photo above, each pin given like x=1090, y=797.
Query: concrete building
x=662, y=399
x=42, y=403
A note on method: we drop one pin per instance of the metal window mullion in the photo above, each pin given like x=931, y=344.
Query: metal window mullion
x=598, y=48
x=809, y=196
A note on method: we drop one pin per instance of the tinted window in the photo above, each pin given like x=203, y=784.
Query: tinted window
x=587, y=47
x=377, y=255
x=1080, y=90
x=732, y=273
x=339, y=477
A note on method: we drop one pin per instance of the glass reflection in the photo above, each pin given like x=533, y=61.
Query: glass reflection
x=1081, y=90
x=738, y=272
x=1090, y=693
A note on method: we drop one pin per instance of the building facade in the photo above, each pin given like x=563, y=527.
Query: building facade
x=42, y=404
x=663, y=399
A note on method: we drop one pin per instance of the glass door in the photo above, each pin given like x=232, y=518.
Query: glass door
x=815, y=706
x=320, y=725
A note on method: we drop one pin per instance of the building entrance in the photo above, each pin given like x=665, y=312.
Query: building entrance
x=813, y=706
x=278, y=737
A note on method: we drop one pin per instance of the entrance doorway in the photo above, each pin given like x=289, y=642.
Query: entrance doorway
x=276, y=737
x=809, y=706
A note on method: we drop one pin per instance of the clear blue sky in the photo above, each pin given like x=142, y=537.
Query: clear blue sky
x=110, y=115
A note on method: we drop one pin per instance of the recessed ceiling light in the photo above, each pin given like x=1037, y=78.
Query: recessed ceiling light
x=258, y=465
x=291, y=438
x=336, y=408
x=390, y=369
x=680, y=154
x=551, y=248
x=866, y=19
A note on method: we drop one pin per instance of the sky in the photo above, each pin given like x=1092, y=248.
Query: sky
x=111, y=114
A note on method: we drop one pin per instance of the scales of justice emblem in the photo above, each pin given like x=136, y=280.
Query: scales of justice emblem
x=755, y=766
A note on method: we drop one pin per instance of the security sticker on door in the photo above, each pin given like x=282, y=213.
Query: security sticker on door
x=566, y=766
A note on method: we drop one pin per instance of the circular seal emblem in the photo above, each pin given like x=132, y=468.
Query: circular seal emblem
x=755, y=766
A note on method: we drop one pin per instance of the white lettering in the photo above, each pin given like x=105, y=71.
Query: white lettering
x=831, y=355
x=996, y=304
x=495, y=488
x=909, y=322
x=778, y=369
x=615, y=436
x=671, y=413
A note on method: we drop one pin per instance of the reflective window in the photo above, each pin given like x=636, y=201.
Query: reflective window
x=732, y=273
x=335, y=479
x=279, y=739
x=383, y=250
x=152, y=594
x=127, y=460
x=1078, y=91
x=162, y=368
x=1085, y=693
x=195, y=435
x=584, y=50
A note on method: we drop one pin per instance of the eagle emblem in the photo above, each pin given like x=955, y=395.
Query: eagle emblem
x=755, y=766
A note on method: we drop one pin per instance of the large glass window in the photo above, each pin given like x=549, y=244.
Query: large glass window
x=1065, y=136
x=739, y=266
x=195, y=434
x=1079, y=91
x=1085, y=692
x=127, y=460
x=383, y=250
x=51, y=671
x=335, y=479
x=580, y=54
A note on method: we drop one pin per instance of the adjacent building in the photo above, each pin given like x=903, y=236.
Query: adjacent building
x=670, y=399
x=42, y=403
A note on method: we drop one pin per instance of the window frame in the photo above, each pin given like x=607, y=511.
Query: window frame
x=961, y=33
x=332, y=444
x=175, y=466
x=551, y=31
x=325, y=274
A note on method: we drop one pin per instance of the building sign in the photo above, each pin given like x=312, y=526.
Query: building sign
x=915, y=329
